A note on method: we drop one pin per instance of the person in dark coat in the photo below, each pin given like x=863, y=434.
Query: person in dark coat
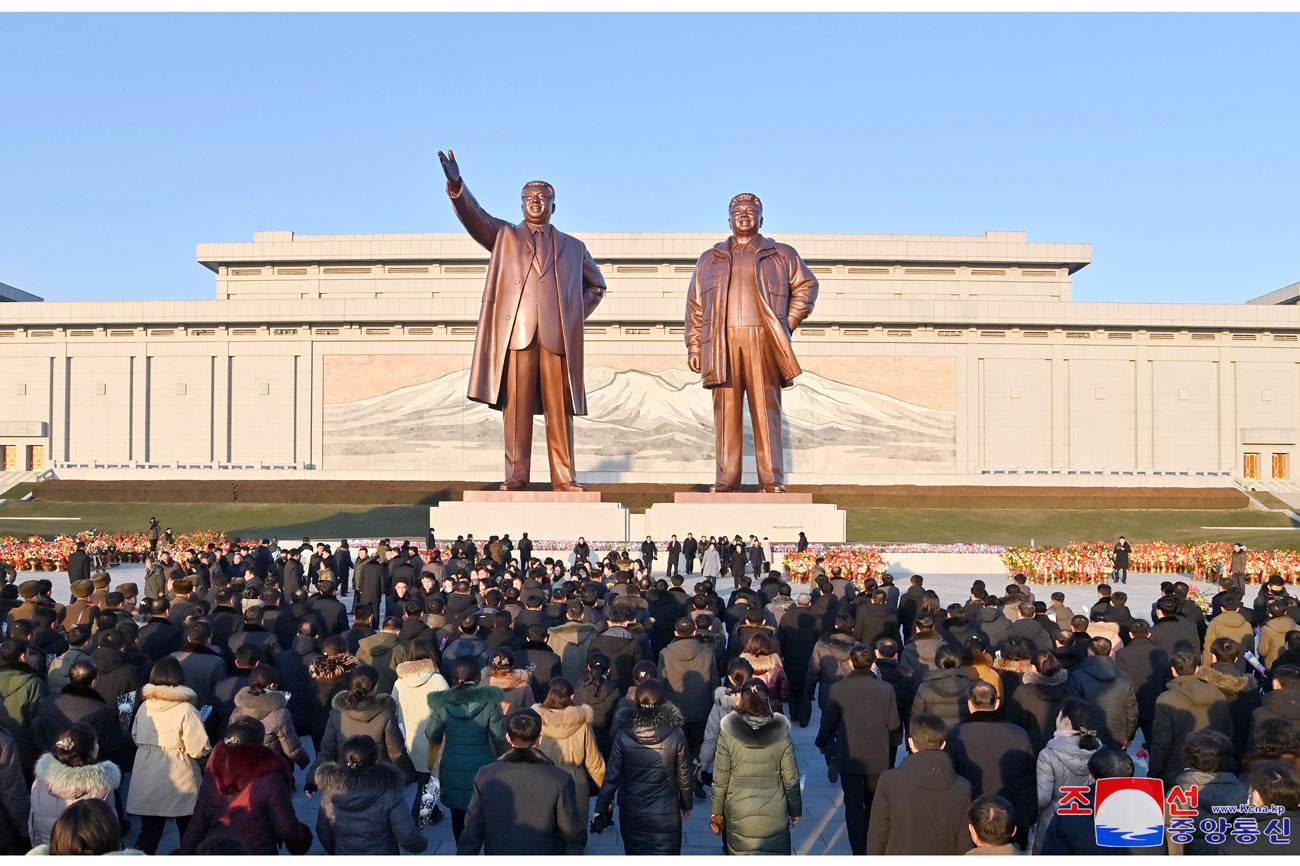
x=1187, y=705
x=1035, y=705
x=1283, y=702
x=369, y=588
x=909, y=604
x=79, y=703
x=329, y=674
x=1100, y=682
x=875, y=620
x=861, y=727
x=257, y=635
x=295, y=676
x=15, y=801
x=342, y=566
x=1147, y=666
x=159, y=637
x=1077, y=833
x=551, y=823
x=649, y=768
x=920, y=806
x=1029, y=628
x=996, y=757
x=689, y=674
x=204, y=667
x=117, y=676
x=363, y=808
x=623, y=647
x=331, y=611
x=1239, y=690
x=797, y=632
x=21, y=693
x=1274, y=784
x=247, y=793
x=78, y=563
x=291, y=574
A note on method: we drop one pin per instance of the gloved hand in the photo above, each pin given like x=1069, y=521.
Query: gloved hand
x=602, y=822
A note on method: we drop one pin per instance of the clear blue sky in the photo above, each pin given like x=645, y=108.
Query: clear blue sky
x=1169, y=142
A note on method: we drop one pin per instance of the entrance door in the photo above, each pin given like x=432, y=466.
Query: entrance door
x=35, y=458
x=9, y=453
x=1279, y=467
x=1250, y=466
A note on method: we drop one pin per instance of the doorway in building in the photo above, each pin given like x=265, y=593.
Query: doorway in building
x=1280, y=467
x=35, y=458
x=1250, y=466
x=8, y=458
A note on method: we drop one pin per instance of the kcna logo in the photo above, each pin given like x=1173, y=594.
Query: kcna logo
x=1129, y=813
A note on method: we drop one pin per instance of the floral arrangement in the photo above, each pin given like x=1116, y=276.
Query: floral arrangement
x=40, y=554
x=1093, y=561
x=857, y=563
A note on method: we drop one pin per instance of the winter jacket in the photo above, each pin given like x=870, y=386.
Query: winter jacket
x=624, y=649
x=204, y=667
x=271, y=708
x=1077, y=834
x=920, y=808
x=996, y=757
x=329, y=676
x=82, y=705
x=688, y=669
x=1036, y=704
x=861, y=720
x=374, y=716
x=56, y=674
x=247, y=793
x=365, y=811
x=170, y=741
x=723, y=703
x=1277, y=704
x=756, y=784
x=981, y=670
x=1230, y=624
x=295, y=678
x=1061, y=762
x=1100, y=680
x=1212, y=789
x=416, y=680
x=603, y=700
x=554, y=822
x=769, y=669
x=1187, y=705
x=469, y=646
x=797, y=632
x=875, y=621
x=649, y=770
x=21, y=693
x=568, y=743
x=383, y=652
x=943, y=693
x=1272, y=638
x=1147, y=666
x=58, y=786
x=995, y=626
x=1242, y=695
x=1032, y=631
x=516, y=691
x=918, y=655
x=572, y=642
x=467, y=721
x=828, y=665
x=14, y=798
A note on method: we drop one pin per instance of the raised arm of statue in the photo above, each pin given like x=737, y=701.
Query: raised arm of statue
x=481, y=225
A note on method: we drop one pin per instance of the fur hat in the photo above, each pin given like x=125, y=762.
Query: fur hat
x=27, y=589
x=182, y=586
x=82, y=588
x=100, y=580
x=128, y=590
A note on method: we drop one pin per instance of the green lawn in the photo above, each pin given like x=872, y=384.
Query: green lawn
x=938, y=526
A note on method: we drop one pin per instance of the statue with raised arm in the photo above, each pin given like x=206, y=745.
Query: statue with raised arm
x=748, y=294
x=541, y=285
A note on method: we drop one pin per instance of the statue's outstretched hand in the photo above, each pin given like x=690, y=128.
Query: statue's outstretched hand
x=450, y=168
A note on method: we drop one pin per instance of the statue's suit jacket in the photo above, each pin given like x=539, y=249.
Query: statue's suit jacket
x=580, y=285
x=787, y=291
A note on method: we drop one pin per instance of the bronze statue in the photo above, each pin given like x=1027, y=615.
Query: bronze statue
x=541, y=285
x=748, y=294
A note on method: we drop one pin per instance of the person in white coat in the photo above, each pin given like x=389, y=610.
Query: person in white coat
x=417, y=678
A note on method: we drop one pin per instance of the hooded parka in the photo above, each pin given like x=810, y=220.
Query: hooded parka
x=756, y=783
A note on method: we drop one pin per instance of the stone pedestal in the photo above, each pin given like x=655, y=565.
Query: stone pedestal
x=779, y=517
x=545, y=515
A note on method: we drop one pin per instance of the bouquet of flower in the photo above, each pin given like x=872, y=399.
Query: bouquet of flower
x=428, y=802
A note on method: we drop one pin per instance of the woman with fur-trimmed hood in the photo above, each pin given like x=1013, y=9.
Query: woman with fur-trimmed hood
x=466, y=721
x=649, y=769
x=756, y=777
x=262, y=700
x=515, y=685
x=764, y=655
x=361, y=712
x=170, y=741
x=362, y=807
x=329, y=675
x=69, y=772
x=247, y=793
x=1036, y=704
x=568, y=740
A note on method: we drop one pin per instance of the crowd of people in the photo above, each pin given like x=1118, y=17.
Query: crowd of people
x=530, y=701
